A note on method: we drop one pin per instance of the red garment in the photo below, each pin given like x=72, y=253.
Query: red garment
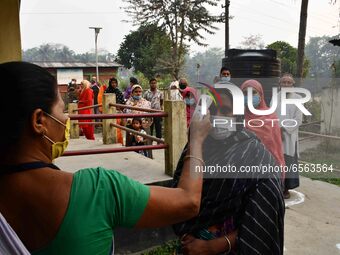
x=190, y=108
x=270, y=135
x=86, y=99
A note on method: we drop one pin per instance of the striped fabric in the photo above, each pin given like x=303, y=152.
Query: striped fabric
x=254, y=200
x=9, y=241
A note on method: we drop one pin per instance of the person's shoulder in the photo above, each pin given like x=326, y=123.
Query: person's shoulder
x=147, y=92
x=96, y=174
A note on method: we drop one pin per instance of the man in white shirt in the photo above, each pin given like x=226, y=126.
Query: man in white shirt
x=290, y=135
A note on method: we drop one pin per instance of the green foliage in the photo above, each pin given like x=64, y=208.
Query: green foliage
x=210, y=63
x=145, y=50
x=252, y=42
x=62, y=53
x=322, y=55
x=166, y=249
x=288, y=56
x=183, y=21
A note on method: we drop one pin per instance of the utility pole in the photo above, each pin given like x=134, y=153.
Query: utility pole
x=96, y=32
x=226, y=14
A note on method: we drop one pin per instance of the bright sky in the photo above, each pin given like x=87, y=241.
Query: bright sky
x=67, y=22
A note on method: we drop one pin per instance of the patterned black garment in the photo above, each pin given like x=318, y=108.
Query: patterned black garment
x=119, y=94
x=254, y=201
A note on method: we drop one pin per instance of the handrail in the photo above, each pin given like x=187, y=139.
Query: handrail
x=116, y=116
x=138, y=133
x=320, y=135
x=87, y=107
x=114, y=150
x=134, y=108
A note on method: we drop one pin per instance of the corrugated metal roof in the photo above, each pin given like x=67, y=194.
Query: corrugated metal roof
x=75, y=64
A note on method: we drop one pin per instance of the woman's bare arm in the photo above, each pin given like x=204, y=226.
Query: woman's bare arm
x=171, y=205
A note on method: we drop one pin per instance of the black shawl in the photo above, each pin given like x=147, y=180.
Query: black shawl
x=254, y=200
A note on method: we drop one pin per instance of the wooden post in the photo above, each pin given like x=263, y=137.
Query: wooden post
x=10, y=42
x=167, y=95
x=74, y=129
x=175, y=133
x=109, y=132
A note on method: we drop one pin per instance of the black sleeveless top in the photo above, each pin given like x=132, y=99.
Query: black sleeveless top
x=8, y=169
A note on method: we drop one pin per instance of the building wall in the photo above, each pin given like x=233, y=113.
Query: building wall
x=104, y=73
x=10, y=42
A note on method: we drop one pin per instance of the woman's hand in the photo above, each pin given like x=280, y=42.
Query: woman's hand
x=193, y=246
x=199, y=129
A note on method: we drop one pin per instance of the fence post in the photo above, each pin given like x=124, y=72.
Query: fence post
x=167, y=95
x=74, y=128
x=109, y=133
x=175, y=133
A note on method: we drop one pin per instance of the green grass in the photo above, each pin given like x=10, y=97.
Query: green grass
x=167, y=249
x=323, y=155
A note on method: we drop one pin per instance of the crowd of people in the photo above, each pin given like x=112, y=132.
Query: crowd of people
x=90, y=93
x=76, y=213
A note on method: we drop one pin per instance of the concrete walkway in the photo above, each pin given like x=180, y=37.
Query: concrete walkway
x=313, y=227
x=131, y=164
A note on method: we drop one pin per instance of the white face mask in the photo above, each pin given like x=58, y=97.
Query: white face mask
x=225, y=79
x=222, y=127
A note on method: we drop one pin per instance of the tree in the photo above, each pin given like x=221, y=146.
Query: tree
x=288, y=55
x=209, y=62
x=302, y=37
x=322, y=55
x=252, y=42
x=183, y=21
x=147, y=50
x=62, y=53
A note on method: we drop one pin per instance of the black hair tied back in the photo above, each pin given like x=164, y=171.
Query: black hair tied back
x=25, y=88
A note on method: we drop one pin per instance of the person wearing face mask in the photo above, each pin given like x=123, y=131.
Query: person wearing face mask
x=225, y=74
x=137, y=100
x=183, y=83
x=190, y=99
x=235, y=208
x=269, y=133
x=57, y=212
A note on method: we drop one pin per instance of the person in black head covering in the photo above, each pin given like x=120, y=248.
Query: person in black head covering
x=240, y=212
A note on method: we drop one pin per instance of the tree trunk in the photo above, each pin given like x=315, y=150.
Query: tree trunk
x=302, y=37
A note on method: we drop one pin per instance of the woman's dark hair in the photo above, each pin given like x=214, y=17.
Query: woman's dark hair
x=25, y=88
x=113, y=79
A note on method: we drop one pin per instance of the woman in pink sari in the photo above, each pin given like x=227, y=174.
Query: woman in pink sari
x=190, y=99
x=86, y=99
x=269, y=133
